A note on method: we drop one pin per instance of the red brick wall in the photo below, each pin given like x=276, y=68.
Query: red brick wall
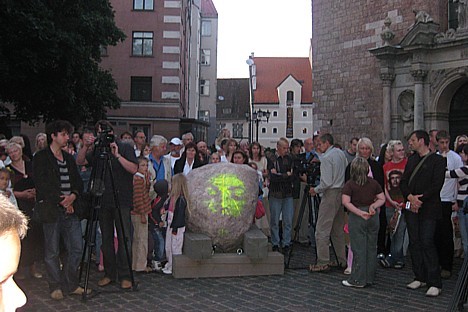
x=347, y=87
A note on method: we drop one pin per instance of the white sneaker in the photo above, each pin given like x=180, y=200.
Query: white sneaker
x=415, y=285
x=167, y=271
x=156, y=265
x=433, y=291
x=347, y=271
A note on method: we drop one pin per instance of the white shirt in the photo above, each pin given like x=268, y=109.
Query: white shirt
x=187, y=167
x=450, y=189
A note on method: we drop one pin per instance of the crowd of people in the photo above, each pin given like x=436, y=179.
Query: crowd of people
x=417, y=195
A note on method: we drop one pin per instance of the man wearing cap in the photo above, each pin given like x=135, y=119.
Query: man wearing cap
x=175, y=145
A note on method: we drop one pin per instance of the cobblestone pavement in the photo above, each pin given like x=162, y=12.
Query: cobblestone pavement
x=296, y=290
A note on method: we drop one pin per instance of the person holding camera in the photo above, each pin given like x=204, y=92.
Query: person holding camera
x=330, y=221
x=124, y=165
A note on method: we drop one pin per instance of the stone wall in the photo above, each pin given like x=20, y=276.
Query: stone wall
x=346, y=77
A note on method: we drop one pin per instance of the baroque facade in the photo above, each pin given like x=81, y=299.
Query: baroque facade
x=384, y=68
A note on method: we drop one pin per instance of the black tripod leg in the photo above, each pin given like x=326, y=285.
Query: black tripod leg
x=297, y=228
x=90, y=243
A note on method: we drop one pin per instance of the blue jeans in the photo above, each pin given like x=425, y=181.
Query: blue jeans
x=159, y=247
x=397, y=239
x=67, y=228
x=286, y=207
x=463, y=222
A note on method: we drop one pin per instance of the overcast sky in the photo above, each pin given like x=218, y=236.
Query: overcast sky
x=266, y=27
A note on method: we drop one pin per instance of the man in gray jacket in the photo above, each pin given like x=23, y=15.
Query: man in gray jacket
x=330, y=219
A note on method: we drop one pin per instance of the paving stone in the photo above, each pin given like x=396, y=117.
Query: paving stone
x=305, y=292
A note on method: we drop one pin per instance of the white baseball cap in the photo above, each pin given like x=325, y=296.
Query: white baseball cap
x=176, y=141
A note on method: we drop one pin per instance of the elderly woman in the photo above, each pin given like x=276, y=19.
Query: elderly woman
x=365, y=149
x=24, y=190
x=362, y=196
x=188, y=161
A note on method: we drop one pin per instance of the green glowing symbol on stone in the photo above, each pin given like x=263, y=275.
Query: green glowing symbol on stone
x=231, y=190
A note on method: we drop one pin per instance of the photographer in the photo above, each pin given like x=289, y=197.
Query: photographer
x=330, y=220
x=124, y=165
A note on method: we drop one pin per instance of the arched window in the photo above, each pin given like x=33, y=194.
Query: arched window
x=290, y=98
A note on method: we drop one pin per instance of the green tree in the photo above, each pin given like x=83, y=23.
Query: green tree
x=49, y=59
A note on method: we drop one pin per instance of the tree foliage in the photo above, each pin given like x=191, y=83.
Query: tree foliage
x=49, y=59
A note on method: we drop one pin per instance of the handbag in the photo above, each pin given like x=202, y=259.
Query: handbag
x=259, y=210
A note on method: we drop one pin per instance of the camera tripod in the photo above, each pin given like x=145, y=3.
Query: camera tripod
x=102, y=162
x=461, y=288
x=312, y=205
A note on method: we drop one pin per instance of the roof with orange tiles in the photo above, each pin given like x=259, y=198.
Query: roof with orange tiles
x=208, y=9
x=272, y=71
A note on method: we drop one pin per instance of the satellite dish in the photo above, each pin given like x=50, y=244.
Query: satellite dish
x=250, y=62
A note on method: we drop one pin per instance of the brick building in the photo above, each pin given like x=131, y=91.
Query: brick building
x=157, y=68
x=384, y=80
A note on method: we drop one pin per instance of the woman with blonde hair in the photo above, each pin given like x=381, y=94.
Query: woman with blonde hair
x=365, y=149
x=176, y=207
x=41, y=142
x=362, y=196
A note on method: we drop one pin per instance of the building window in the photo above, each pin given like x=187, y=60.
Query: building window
x=142, y=43
x=304, y=130
x=275, y=113
x=206, y=28
x=263, y=130
x=220, y=126
x=304, y=113
x=237, y=130
x=227, y=111
x=205, y=57
x=141, y=89
x=144, y=5
x=453, y=14
x=204, y=115
x=204, y=87
x=275, y=130
x=290, y=98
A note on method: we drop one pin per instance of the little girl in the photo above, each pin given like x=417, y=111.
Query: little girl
x=176, y=209
x=139, y=214
x=5, y=186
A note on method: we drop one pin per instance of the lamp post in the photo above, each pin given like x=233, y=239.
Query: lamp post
x=252, y=87
x=259, y=116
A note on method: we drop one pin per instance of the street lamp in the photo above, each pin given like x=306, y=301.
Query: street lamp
x=259, y=116
x=252, y=87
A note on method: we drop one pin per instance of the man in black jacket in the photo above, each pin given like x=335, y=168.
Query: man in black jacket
x=420, y=185
x=58, y=185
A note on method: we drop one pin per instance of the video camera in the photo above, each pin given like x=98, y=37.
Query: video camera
x=105, y=137
x=311, y=169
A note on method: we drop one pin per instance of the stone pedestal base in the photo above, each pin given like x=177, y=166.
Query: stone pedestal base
x=198, y=261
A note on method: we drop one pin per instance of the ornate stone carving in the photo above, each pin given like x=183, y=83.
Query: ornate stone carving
x=387, y=34
x=418, y=74
x=422, y=17
x=462, y=11
x=450, y=35
x=406, y=103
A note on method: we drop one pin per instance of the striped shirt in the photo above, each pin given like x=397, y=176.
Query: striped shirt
x=462, y=175
x=65, y=186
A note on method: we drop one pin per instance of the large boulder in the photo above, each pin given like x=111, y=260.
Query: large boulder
x=223, y=198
